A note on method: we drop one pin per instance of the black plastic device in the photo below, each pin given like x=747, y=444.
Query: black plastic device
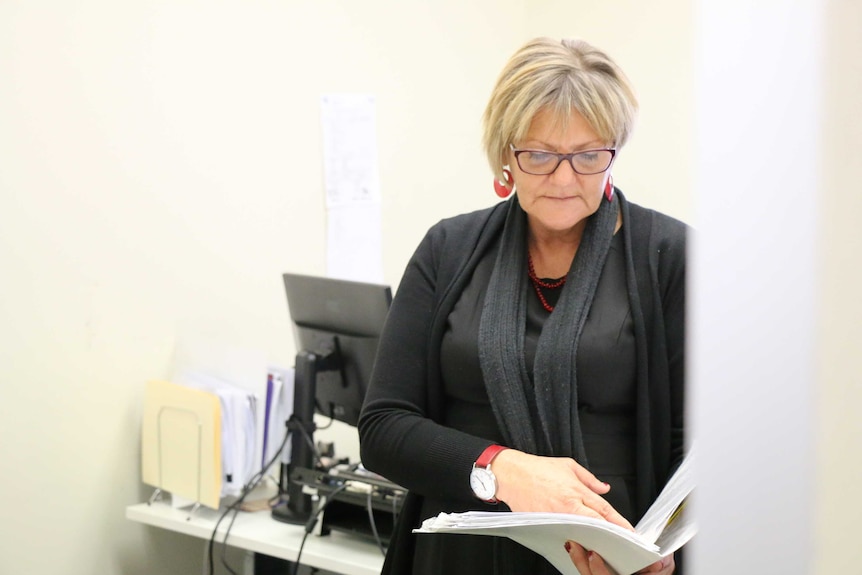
x=337, y=325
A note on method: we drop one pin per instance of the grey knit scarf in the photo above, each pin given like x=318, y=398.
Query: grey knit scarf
x=540, y=417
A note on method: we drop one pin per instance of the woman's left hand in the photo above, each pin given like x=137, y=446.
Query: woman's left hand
x=590, y=563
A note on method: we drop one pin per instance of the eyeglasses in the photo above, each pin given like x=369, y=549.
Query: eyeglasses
x=542, y=163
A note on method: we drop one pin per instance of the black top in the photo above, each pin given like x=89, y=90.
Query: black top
x=606, y=393
x=404, y=430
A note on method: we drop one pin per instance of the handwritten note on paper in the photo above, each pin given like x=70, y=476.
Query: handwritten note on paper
x=352, y=184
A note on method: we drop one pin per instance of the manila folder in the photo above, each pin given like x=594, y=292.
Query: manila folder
x=180, y=442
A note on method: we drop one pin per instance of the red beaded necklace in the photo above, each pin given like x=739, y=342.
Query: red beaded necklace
x=538, y=284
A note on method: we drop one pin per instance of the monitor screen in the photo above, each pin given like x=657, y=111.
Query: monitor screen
x=337, y=325
x=339, y=321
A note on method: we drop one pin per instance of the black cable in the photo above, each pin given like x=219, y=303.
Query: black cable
x=253, y=482
x=374, y=523
x=328, y=425
x=224, y=544
x=224, y=541
x=249, y=487
x=210, y=543
x=309, y=525
x=294, y=423
x=235, y=508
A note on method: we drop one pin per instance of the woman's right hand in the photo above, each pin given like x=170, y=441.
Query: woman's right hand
x=589, y=563
x=551, y=484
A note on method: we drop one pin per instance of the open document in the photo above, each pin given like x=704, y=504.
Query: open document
x=664, y=528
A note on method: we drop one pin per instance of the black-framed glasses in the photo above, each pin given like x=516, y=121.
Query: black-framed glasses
x=543, y=162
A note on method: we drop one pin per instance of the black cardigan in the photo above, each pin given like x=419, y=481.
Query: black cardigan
x=400, y=436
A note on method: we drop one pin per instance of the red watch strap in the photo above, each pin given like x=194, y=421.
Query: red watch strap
x=489, y=454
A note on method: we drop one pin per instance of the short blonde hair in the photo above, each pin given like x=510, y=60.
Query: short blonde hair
x=563, y=76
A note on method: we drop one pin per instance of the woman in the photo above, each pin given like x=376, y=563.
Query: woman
x=532, y=359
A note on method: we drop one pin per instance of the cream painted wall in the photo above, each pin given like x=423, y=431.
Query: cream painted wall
x=839, y=393
x=160, y=167
x=652, y=42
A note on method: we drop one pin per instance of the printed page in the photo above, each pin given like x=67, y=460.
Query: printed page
x=545, y=533
x=680, y=529
x=664, y=528
x=672, y=496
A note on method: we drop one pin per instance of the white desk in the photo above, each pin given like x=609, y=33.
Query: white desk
x=258, y=532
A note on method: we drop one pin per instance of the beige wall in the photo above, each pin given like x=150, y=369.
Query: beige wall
x=838, y=388
x=652, y=42
x=160, y=167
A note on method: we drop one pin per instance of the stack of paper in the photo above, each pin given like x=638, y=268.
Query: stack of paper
x=199, y=434
x=278, y=409
x=664, y=528
x=209, y=429
x=238, y=428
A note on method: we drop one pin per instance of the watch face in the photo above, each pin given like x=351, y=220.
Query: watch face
x=484, y=483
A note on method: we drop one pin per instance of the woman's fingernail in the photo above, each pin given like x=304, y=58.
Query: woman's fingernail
x=568, y=546
x=591, y=556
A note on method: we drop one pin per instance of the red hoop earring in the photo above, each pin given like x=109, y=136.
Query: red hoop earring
x=609, y=188
x=502, y=188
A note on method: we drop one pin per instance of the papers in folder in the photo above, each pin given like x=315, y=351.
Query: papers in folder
x=279, y=407
x=238, y=428
x=180, y=442
x=200, y=434
x=664, y=528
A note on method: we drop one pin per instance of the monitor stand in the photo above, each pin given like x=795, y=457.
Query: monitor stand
x=298, y=508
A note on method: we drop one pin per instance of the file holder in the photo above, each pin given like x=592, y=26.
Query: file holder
x=157, y=493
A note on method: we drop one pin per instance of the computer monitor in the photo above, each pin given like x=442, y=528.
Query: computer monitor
x=337, y=325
